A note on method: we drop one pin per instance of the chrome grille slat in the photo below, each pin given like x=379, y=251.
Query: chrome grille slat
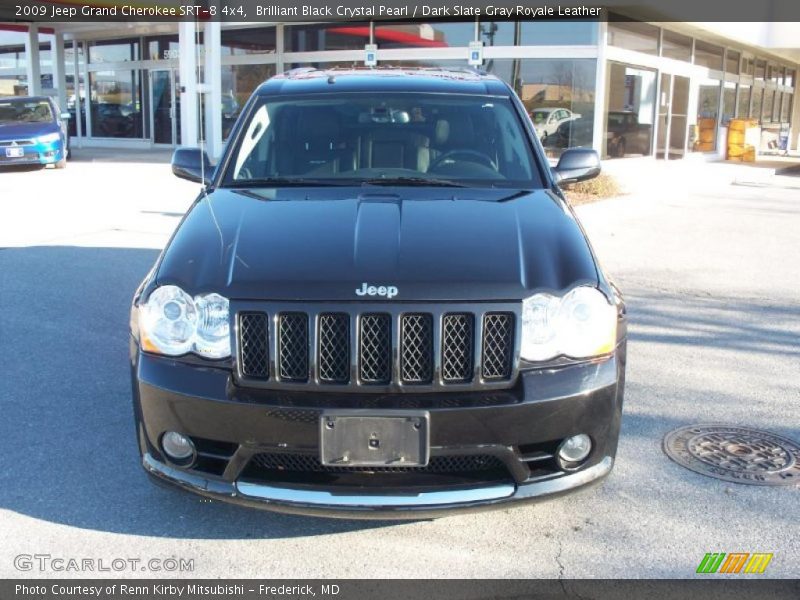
x=376, y=347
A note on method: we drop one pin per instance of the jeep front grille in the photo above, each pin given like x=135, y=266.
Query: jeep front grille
x=419, y=347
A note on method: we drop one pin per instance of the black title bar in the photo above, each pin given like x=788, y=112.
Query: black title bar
x=56, y=11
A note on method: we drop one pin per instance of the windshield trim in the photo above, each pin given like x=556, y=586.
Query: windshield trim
x=539, y=178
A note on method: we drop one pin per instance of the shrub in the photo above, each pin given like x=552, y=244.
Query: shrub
x=602, y=186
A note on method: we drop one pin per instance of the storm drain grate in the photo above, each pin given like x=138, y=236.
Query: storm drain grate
x=735, y=454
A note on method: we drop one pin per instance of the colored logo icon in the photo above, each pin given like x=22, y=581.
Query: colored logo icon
x=734, y=563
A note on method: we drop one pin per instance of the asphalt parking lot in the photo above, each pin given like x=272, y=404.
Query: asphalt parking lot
x=711, y=275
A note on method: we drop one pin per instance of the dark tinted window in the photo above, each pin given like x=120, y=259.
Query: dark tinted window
x=352, y=138
x=25, y=111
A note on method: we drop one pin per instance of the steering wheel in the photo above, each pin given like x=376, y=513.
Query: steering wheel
x=449, y=156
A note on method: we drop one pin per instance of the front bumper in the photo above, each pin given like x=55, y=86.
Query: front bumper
x=34, y=154
x=516, y=427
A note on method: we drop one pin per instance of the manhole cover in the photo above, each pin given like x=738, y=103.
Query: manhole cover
x=736, y=454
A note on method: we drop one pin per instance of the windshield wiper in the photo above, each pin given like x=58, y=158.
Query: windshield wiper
x=412, y=181
x=285, y=182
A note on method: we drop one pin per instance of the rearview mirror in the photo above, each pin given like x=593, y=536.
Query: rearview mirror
x=577, y=164
x=192, y=164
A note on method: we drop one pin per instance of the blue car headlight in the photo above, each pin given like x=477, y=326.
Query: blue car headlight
x=50, y=137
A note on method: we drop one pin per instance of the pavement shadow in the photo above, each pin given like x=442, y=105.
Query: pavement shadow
x=21, y=168
x=67, y=435
x=734, y=324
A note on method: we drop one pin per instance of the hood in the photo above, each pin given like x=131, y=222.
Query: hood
x=24, y=131
x=326, y=243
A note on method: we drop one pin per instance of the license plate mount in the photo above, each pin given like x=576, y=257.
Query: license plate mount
x=355, y=438
x=14, y=152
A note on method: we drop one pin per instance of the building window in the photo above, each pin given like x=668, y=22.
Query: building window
x=756, y=104
x=238, y=84
x=708, y=55
x=539, y=33
x=732, y=62
x=743, y=103
x=705, y=139
x=329, y=36
x=676, y=46
x=760, y=69
x=748, y=66
x=241, y=42
x=768, y=104
x=114, y=51
x=116, y=104
x=728, y=102
x=497, y=33
x=558, y=33
x=559, y=97
x=423, y=35
x=162, y=47
x=630, y=106
x=789, y=78
x=786, y=107
x=632, y=35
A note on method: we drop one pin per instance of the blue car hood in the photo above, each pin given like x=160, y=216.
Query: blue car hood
x=26, y=130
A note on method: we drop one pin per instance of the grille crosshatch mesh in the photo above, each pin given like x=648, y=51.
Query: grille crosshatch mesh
x=293, y=346
x=458, y=347
x=375, y=348
x=416, y=348
x=498, y=345
x=254, y=344
x=380, y=357
x=334, y=348
x=437, y=464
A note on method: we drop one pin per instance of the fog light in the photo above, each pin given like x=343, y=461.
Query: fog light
x=177, y=447
x=574, y=450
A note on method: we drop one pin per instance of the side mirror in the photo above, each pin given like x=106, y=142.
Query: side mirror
x=192, y=164
x=577, y=164
x=65, y=116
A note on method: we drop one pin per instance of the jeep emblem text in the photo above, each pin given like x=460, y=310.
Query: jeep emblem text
x=389, y=291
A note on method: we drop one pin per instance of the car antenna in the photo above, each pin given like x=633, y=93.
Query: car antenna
x=203, y=123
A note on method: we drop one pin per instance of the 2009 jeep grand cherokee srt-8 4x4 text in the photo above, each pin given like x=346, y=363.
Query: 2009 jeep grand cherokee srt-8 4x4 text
x=380, y=305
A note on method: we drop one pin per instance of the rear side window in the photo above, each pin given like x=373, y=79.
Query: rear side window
x=352, y=138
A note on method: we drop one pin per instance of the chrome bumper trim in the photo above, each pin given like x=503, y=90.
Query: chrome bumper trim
x=325, y=498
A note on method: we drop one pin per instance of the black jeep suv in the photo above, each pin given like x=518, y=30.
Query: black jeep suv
x=380, y=305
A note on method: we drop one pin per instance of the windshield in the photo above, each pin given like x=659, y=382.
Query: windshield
x=384, y=139
x=25, y=111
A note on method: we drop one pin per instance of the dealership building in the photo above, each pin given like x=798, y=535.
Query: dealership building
x=628, y=89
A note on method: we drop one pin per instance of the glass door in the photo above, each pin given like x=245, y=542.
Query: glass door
x=673, y=110
x=164, y=107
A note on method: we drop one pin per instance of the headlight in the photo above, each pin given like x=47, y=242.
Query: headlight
x=581, y=324
x=50, y=137
x=212, y=339
x=171, y=322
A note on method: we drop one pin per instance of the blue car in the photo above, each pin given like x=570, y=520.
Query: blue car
x=32, y=132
